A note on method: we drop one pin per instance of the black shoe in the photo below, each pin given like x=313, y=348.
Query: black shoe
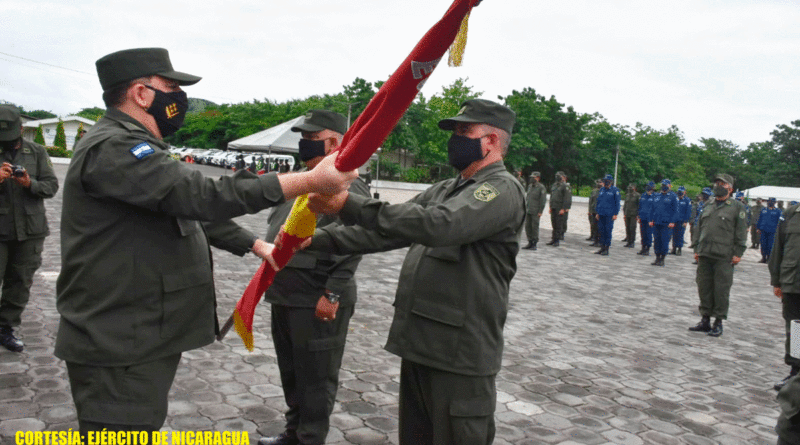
x=625, y=240
x=590, y=238
x=716, y=330
x=643, y=251
x=763, y=259
x=782, y=383
x=604, y=251
x=285, y=438
x=562, y=238
x=8, y=340
x=595, y=244
x=674, y=249
x=703, y=326
x=531, y=245
x=534, y=246
x=678, y=252
x=657, y=262
x=552, y=242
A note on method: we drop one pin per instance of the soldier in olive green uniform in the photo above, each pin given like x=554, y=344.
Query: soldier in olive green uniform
x=23, y=225
x=784, y=271
x=310, y=350
x=630, y=210
x=721, y=242
x=452, y=296
x=594, y=235
x=560, y=203
x=136, y=286
x=536, y=200
x=788, y=427
x=755, y=214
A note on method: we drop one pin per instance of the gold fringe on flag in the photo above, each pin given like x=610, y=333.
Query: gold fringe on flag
x=241, y=329
x=459, y=44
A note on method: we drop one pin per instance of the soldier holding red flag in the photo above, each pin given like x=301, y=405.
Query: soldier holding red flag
x=452, y=297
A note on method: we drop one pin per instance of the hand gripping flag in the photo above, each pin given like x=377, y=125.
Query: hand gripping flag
x=359, y=143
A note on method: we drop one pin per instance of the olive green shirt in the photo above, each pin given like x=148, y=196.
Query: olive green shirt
x=310, y=273
x=452, y=295
x=536, y=198
x=22, y=214
x=593, y=200
x=561, y=196
x=631, y=206
x=136, y=282
x=784, y=261
x=722, y=230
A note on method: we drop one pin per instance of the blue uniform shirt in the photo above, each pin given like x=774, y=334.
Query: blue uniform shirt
x=608, y=201
x=684, y=209
x=700, y=206
x=769, y=219
x=665, y=208
x=645, y=205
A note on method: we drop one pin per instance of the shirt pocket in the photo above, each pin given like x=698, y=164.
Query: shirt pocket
x=436, y=328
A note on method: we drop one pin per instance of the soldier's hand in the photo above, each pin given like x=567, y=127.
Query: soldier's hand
x=327, y=204
x=684, y=224
x=735, y=260
x=651, y=224
x=597, y=217
x=330, y=181
x=263, y=250
x=540, y=215
x=671, y=225
x=614, y=217
x=697, y=257
x=778, y=292
x=24, y=180
x=5, y=171
x=638, y=220
x=561, y=212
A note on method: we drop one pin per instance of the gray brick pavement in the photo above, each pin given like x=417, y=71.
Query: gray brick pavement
x=596, y=352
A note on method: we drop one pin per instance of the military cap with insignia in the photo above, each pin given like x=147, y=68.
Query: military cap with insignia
x=318, y=120
x=126, y=65
x=10, y=123
x=728, y=179
x=482, y=111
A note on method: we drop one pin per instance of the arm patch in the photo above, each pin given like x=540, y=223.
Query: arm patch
x=142, y=151
x=486, y=192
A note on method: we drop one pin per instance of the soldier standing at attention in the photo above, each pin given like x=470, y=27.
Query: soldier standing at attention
x=663, y=216
x=452, y=297
x=594, y=237
x=684, y=214
x=629, y=211
x=536, y=200
x=607, y=210
x=645, y=206
x=136, y=287
x=784, y=271
x=23, y=224
x=560, y=202
x=767, y=225
x=755, y=214
x=309, y=350
x=721, y=242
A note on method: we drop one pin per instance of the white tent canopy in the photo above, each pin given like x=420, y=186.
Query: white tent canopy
x=765, y=192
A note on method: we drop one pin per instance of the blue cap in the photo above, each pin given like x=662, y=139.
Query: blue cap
x=740, y=194
x=793, y=203
x=707, y=191
x=666, y=182
x=608, y=178
x=681, y=189
x=651, y=184
x=772, y=199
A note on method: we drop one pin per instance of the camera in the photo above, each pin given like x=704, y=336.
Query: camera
x=18, y=170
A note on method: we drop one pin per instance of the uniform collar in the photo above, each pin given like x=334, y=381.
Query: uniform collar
x=125, y=119
x=479, y=175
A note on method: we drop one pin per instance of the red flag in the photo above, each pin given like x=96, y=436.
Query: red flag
x=359, y=143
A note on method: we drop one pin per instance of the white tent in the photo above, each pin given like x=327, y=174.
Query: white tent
x=279, y=139
x=765, y=192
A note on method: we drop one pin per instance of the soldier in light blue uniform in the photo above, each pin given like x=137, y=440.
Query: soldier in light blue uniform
x=645, y=205
x=663, y=215
x=767, y=226
x=607, y=209
x=684, y=214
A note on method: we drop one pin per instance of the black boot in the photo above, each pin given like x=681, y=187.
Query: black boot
x=9, y=341
x=763, y=259
x=591, y=238
x=657, y=262
x=782, y=383
x=645, y=251
x=531, y=245
x=661, y=263
x=534, y=245
x=625, y=240
x=285, y=438
x=716, y=330
x=703, y=326
x=674, y=250
x=678, y=252
x=553, y=241
x=604, y=251
x=600, y=252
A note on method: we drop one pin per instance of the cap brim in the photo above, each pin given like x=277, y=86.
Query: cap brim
x=720, y=178
x=307, y=127
x=450, y=123
x=181, y=78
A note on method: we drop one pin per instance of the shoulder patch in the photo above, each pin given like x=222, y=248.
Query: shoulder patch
x=142, y=151
x=486, y=192
x=741, y=215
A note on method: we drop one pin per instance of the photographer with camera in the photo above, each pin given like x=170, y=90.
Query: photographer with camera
x=26, y=178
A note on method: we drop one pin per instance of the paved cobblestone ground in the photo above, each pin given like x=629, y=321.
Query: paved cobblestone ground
x=597, y=352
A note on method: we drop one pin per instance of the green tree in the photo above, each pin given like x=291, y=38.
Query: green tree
x=60, y=139
x=786, y=139
x=38, y=114
x=78, y=135
x=93, y=113
x=526, y=145
x=39, y=138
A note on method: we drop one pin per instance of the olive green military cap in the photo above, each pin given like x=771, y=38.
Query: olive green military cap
x=560, y=173
x=724, y=177
x=318, y=120
x=482, y=111
x=126, y=65
x=10, y=123
x=535, y=174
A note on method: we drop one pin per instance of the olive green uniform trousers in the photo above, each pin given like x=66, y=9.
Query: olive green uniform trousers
x=19, y=261
x=714, y=280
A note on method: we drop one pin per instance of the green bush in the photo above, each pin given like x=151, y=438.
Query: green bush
x=416, y=174
x=58, y=152
x=61, y=137
x=39, y=138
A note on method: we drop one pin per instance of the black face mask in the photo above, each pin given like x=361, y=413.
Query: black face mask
x=9, y=145
x=311, y=149
x=169, y=110
x=720, y=191
x=463, y=151
x=664, y=188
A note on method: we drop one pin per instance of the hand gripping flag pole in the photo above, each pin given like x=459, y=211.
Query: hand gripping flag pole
x=359, y=143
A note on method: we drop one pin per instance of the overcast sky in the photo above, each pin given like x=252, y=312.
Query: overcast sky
x=726, y=69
